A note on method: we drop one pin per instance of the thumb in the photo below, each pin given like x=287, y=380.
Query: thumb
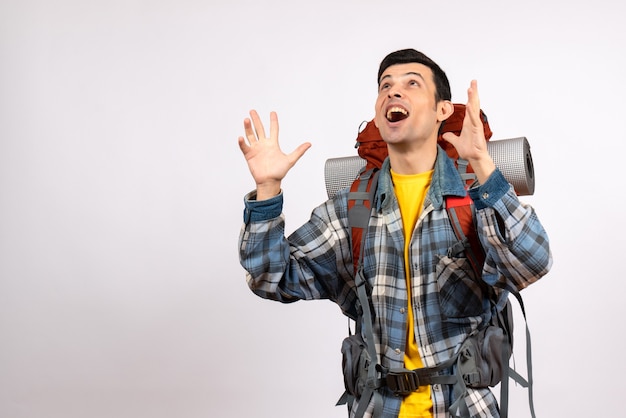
x=451, y=138
x=299, y=152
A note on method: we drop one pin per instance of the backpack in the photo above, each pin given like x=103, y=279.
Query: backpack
x=372, y=148
x=362, y=373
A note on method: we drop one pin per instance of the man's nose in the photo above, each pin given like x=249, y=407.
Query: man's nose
x=394, y=92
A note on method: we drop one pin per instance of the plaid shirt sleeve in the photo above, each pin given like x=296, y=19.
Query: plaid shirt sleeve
x=314, y=262
x=517, y=247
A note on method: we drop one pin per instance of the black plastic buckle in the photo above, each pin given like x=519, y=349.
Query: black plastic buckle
x=402, y=381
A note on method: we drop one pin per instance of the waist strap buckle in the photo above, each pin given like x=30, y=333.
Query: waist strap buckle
x=402, y=381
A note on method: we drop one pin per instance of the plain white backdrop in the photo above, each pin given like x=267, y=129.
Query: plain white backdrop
x=121, y=188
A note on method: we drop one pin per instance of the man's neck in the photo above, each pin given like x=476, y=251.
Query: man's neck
x=414, y=159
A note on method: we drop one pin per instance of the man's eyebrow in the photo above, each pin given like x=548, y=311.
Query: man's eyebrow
x=404, y=75
x=415, y=74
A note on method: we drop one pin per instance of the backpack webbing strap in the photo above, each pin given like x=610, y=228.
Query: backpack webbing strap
x=373, y=381
x=510, y=372
x=461, y=167
x=402, y=381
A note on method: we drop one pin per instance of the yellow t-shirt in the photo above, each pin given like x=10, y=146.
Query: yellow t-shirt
x=411, y=191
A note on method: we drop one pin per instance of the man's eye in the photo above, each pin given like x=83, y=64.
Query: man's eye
x=414, y=83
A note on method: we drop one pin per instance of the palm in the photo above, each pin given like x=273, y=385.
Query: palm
x=268, y=164
x=471, y=142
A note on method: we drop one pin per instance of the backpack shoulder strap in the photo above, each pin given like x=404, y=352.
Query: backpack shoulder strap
x=462, y=216
x=360, y=201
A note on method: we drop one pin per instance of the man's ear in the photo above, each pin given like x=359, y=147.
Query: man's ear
x=445, y=109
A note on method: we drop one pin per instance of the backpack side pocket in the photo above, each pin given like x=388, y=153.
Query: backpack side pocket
x=355, y=363
x=483, y=357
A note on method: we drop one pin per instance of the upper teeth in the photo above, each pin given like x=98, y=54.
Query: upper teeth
x=396, y=109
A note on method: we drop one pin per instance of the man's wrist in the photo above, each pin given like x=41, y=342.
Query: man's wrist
x=483, y=168
x=267, y=191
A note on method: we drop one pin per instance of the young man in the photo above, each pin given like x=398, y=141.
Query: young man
x=425, y=303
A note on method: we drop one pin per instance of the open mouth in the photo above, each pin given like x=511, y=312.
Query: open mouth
x=396, y=113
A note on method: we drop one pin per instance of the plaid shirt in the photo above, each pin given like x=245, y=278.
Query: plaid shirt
x=315, y=262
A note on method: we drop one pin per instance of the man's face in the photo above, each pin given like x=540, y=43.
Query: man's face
x=406, y=110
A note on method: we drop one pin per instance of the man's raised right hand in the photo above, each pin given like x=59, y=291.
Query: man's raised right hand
x=268, y=164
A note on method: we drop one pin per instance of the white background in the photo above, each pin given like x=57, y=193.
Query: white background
x=121, y=187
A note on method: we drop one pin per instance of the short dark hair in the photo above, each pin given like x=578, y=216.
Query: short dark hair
x=407, y=56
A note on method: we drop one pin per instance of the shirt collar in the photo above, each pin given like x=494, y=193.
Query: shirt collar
x=446, y=181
